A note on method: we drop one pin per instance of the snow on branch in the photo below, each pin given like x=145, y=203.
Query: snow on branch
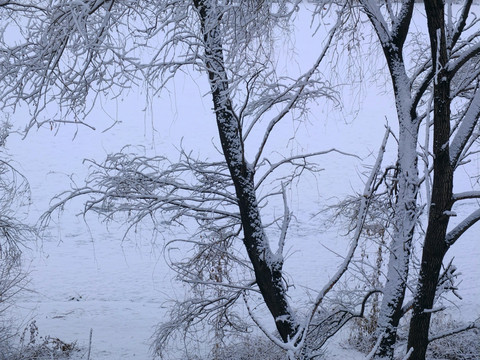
x=466, y=128
x=461, y=23
x=362, y=214
x=466, y=195
x=372, y=9
x=141, y=187
x=458, y=230
x=464, y=56
x=470, y=326
x=63, y=32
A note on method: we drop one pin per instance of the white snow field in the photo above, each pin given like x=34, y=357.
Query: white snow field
x=83, y=276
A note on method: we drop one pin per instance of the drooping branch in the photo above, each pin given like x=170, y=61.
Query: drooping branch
x=139, y=187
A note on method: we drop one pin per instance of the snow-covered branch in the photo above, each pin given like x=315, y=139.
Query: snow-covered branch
x=466, y=195
x=362, y=213
x=454, y=234
x=458, y=330
x=461, y=23
x=139, y=186
x=466, y=128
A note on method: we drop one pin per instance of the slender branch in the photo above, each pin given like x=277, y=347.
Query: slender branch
x=458, y=330
x=462, y=21
x=466, y=195
x=303, y=81
x=466, y=128
x=362, y=214
x=458, y=231
x=291, y=159
x=287, y=216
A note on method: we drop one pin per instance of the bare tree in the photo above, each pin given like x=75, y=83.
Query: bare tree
x=455, y=58
x=452, y=60
x=77, y=51
x=72, y=53
x=392, y=39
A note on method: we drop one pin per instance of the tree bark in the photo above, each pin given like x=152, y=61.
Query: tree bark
x=405, y=211
x=435, y=246
x=267, y=267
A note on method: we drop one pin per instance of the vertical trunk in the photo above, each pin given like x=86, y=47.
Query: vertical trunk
x=267, y=267
x=392, y=40
x=405, y=212
x=400, y=246
x=435, y=247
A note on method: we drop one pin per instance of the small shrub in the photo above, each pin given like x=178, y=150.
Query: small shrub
x=362, y=334
x=35, y=347
x=461, y=346
x=251, y=347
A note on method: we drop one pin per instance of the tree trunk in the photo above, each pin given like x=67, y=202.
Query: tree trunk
x=267, y=267
x=405, y=212
x=435, y=246
x=400, y=245
x=392, y=41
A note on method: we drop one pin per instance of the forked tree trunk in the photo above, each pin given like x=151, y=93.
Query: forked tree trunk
x=267, y=267
x=405, y=212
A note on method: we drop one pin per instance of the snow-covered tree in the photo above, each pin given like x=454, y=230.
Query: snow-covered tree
x=455, y=55
x=74, y=52
x=448, y=75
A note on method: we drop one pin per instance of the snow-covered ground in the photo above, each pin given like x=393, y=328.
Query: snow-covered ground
x=82, y=276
